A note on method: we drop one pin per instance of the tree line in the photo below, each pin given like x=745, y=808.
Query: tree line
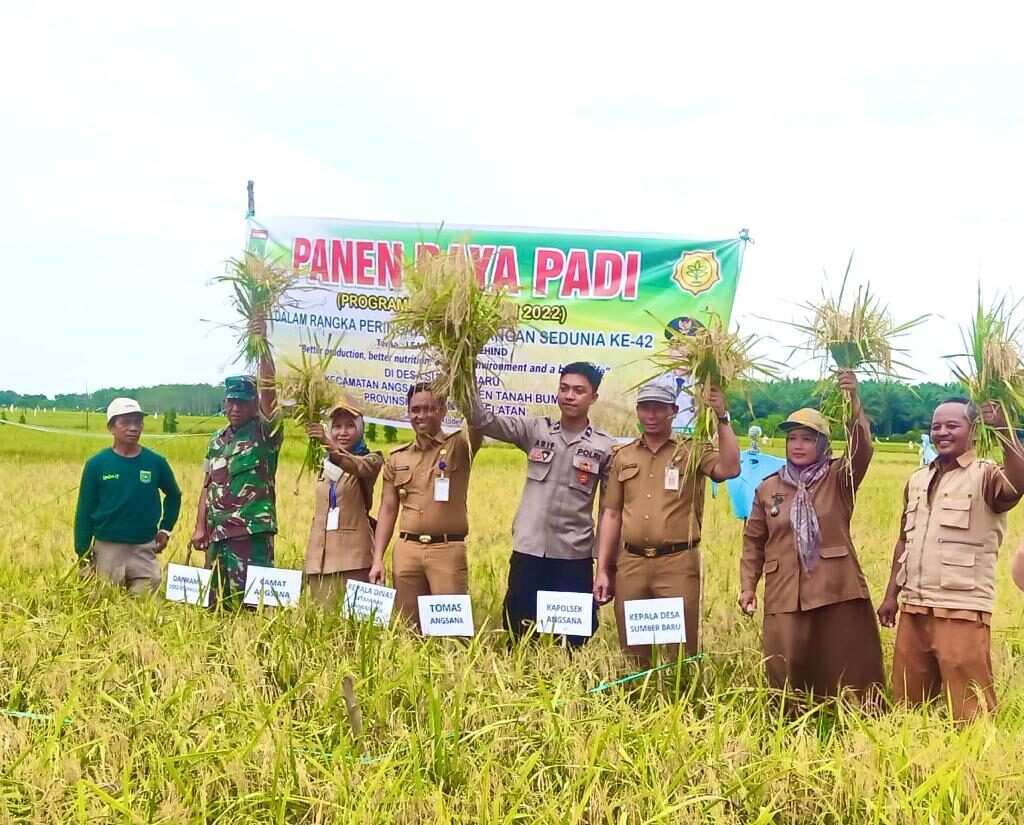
x=186, y=399
x=895, y=409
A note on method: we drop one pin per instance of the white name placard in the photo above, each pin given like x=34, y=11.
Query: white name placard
x=364, y=600
x=272, y=586
x=189, y=585
x=446, y=615
x=654, y=621
x=571, y=614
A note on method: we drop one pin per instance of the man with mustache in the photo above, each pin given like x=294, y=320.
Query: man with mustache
x=944, y=562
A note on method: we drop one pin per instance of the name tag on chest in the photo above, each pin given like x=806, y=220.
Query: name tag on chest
x=333, y=518
x=441, y=489
x=671, y=478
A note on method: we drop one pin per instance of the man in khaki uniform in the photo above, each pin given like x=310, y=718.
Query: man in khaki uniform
x=429, y=480
x=650, y=526
x=944, y=563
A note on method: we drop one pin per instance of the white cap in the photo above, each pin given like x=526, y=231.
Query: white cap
x=123, y=406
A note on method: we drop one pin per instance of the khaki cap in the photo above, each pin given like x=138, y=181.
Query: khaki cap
x=811, y=419
x=344, y=406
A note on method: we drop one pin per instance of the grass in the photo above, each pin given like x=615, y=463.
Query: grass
x=307, y=395
x=711, y=356
x=859, y=336
x=992, y=368
x=259, y=286
x=451, y=318
x=177, y=715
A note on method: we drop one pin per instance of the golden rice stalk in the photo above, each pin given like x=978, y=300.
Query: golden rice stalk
x=859, y=337
x=713, y=357
x=452, y=318
x=992, y=367
x=259, y=286
x=308, y=394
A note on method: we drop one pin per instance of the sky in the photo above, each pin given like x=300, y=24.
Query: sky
x=895, y=130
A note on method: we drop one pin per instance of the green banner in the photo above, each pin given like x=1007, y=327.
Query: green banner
x=593, y=296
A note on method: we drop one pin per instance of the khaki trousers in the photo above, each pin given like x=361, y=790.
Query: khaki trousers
x=129, y=565
x=934, y=655
x=662, y=577
x=427, y=570
x=328, y=589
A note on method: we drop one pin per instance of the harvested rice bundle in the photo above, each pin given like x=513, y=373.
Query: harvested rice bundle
x=455, y=317
x=308, y=395
x=859, y=337
x=711, y=356
x=259, y=285
x=994, y=368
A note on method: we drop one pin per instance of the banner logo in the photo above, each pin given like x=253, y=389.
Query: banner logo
x=696, y=272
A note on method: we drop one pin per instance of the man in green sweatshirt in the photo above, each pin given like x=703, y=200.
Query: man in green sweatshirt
x=119, y=505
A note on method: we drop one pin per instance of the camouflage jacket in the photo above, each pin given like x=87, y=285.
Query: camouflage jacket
x=242, y=464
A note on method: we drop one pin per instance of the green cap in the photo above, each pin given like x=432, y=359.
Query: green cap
x=240, y=387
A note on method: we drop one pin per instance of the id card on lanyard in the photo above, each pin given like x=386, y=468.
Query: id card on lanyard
x=333, y=512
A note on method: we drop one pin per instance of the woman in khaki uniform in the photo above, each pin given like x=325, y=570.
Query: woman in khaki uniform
x=820, y=633
x=341, y=537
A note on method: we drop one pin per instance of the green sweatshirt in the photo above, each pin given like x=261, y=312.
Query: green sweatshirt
x=119, y=499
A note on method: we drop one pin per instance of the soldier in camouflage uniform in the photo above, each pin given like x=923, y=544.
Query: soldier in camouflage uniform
x=237, y=515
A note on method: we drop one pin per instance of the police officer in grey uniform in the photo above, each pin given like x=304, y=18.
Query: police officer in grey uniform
x=553, y=531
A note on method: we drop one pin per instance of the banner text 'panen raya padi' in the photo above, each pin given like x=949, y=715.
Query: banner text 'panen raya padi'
x=594, y=296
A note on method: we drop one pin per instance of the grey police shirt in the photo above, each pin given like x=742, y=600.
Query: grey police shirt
x=564, y=470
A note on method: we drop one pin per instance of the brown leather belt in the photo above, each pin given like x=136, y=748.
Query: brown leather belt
x=661, y=549
x=424, y=539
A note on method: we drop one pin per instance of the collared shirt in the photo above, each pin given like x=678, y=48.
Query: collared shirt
x=350, y=545
x=412, y=471
x=555, y=518
x=997, y=491
x=241, y=497
x=1000, y=497
x=654, y=510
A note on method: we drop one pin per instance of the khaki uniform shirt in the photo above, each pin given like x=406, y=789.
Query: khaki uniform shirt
x=555, y=518
x=411, y=470
x=652, y=514
x=769, y=547
x=999, y=497
x=350, y=547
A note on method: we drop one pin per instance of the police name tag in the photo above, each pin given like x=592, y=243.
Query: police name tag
x=654, y=621
x=333, y=518
x=441, y=489
x=188, y=585
x=446, y=615
x=571, y=614
x=671, y=478
x=272, y=586
x=368, y=601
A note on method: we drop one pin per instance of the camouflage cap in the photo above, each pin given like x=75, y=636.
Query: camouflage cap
x=240, y=387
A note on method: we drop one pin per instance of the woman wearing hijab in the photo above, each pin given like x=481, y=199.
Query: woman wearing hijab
x=341, y=538
x=820, y=633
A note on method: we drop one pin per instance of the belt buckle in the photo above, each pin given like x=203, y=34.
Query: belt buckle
x=424, y=539
x=650, y=552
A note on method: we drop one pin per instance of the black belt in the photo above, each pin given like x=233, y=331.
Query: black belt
x=424, y=539
x=661, y=549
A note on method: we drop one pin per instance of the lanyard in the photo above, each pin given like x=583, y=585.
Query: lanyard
x=332, y=497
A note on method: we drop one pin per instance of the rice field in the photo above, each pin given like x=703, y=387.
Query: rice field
x=141, y=711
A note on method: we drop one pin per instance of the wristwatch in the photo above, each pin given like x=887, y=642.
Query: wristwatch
x=725, y=419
